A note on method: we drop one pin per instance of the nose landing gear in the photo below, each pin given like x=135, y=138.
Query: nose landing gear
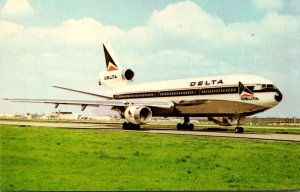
x=239, y=129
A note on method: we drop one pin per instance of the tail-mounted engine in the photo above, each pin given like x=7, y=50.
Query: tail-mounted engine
x=128, y=74
x=116, y=78
x=138, y=115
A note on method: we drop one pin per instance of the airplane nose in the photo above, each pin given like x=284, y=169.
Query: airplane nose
x=278, y=96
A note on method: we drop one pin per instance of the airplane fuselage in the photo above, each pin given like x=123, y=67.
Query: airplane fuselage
x=205, y=96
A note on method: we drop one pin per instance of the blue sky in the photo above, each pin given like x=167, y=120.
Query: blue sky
x=46, y=43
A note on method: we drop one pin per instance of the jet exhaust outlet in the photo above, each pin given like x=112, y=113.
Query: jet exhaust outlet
x=128, y=74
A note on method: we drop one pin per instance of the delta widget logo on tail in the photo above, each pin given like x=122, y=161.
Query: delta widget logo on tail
x=111, y=67
x=245, y=93
x=110, y=64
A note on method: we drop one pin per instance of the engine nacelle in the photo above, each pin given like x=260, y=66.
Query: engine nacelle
x=138, y=115
x=116, y=78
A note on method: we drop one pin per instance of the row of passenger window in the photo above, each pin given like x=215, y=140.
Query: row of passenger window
x=177, y=93
x=224, y=90
x=135, y=95
x=219, y=90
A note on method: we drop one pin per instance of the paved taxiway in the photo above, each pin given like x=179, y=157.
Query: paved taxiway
x=117, y=127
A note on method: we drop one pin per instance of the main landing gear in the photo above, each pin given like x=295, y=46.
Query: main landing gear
x=186, y=125
x=131, y=126
x=239, y=129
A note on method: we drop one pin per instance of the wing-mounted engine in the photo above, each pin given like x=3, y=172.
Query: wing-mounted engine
x=224, y=121
x=138, y=115
x=116, y=78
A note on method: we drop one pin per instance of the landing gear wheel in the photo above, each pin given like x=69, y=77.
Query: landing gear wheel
x=185, y=126
x=191, y=127
x=179, y=126
x=125, y=125
x=131, y=126
x=136, y=127
x=239, y=130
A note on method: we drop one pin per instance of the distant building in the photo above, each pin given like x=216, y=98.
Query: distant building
x=62, y=116
x=272, y=121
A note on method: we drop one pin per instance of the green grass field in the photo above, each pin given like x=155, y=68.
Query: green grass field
x=39, y=158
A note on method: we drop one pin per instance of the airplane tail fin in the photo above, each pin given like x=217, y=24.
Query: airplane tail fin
x=114, y=75
x=111, y=60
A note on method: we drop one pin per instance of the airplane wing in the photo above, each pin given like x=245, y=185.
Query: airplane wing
x=83, y=92
x=85, y=103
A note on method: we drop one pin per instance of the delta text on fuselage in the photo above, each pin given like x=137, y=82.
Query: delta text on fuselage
x=211, y=82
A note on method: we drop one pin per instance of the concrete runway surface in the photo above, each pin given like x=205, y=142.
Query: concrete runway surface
x=117, y=127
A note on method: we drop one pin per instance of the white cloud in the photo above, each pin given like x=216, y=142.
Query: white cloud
x=82, y=32
x=184, y=18
x=182, y=26
x=16, y=8
x=269, y=4
x=86, y=31
x=8, y=28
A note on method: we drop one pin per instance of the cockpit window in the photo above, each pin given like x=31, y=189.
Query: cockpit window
x=264, y=87
x=257, y=87
x=268, y=87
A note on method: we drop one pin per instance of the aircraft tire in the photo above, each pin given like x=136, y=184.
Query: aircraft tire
x=239, y=130
x=191, y=127
x=179, y=126
x=185, y=126
x=137, y=127
x=125, y=126
x=132, y=126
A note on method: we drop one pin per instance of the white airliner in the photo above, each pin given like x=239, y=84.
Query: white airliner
x=224, y=99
